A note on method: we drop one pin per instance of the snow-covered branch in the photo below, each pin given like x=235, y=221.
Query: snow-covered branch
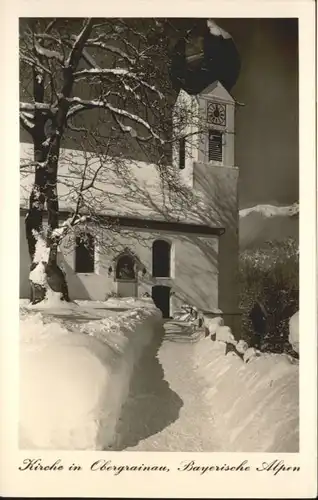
x=121, y=72
x=49, y=54
x=33, y=62
x=78, y=45
x=40, y=106
x=60, y=232
x=127, y=129
x=105, y=46
x=85, y=73
x=89, y=59
x=73, y=127
x=81, y=104
x=52, y=38
x=26, y=120
x=51, y=25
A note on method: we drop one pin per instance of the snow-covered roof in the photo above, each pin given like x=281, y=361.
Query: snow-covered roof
x=122, y=188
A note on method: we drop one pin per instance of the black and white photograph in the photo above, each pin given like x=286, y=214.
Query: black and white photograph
x=159, y=247
x=159, y=234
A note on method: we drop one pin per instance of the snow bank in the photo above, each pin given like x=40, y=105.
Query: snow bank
x=255, y=405
x=75, y=373
x=294, y=331
x=52, y=300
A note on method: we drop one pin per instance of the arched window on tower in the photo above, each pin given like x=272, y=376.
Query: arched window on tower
x=161, y=259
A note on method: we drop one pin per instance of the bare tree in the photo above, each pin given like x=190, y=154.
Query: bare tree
x=107, y=72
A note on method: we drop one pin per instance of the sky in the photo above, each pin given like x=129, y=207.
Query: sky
x=267, y=126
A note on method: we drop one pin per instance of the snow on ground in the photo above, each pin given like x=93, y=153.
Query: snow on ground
x=80, y=391
x=75, y=367
x=257, y=404
x=200, y=399
x=294, y=331
x=167, y=412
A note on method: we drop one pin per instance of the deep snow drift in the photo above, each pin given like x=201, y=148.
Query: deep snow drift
x=294, y=331
x=203, y=400
x=97, y=378
x=256, y=403
x=75, y=368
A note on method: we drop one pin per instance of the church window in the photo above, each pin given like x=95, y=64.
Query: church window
x=161, y=251
x=215, y=146
x=125, y=268
x=84, y=253
x=182, y=153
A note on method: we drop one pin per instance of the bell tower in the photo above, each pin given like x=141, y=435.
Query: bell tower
x=205, y=126
x=205, y=160
x=217, y=109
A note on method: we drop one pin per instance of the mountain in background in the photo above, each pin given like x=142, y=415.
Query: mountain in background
x=268, y=222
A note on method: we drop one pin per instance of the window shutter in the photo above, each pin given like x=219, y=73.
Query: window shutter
x=215, y=146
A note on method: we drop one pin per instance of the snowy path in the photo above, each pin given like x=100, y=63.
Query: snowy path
x=165, y=410
x=182, y=396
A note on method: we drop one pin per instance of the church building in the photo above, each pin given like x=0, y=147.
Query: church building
x=150, y=243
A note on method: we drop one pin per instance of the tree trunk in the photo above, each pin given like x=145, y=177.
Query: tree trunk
x=44, y=191
x=45, y=274
x=34, y=217
x=56, y=279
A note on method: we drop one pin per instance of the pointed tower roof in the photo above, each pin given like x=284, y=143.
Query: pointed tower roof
x=217, y=90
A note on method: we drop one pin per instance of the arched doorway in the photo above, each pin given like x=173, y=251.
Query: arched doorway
x=161, y=298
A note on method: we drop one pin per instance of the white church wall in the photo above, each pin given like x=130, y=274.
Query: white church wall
x=229, y=136
x=219, y=185
x=194, y=267
x=196, y=279
x=189, y=107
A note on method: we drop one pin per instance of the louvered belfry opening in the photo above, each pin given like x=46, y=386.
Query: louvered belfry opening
x=215, y=146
